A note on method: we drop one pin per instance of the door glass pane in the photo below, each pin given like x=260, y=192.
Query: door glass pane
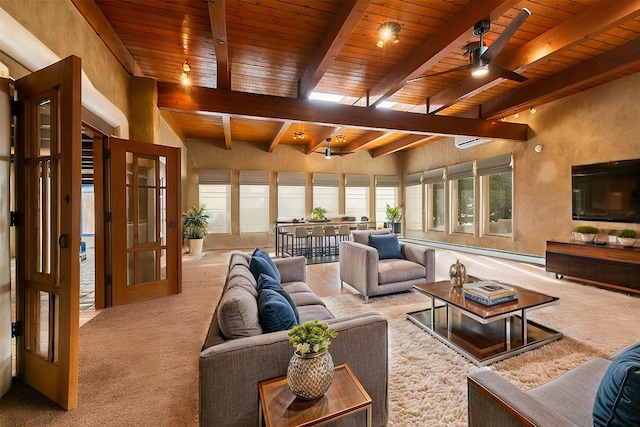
x=42, y=230
x=163, y=264
x=146, y=220
x=437, y=218
x=42, y=325
x=56, y=326
x=44, y=128
x=131, y=272
x=147, y=266
x=163, y=218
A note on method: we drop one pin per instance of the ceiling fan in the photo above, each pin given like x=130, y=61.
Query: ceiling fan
x=481, y=56
x=328, y=152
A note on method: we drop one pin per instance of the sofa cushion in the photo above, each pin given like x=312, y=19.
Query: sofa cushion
x=387, y=245
x=313, y=312
x=399, y=270
x=274, y=311
x=261, y=263
x=268, y=282
x=616, y=402
x=238, y=314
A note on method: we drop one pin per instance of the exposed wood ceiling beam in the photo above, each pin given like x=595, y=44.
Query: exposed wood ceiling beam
x=226, y=126
x=345, y=21
x=107, y=34
x=172, y=96
x=320, y=138
x=218, y=20
x=279, y=133
x=402, y=143
x=618, y=58
x=599, y=18
x=438, y=46
x=364, y=140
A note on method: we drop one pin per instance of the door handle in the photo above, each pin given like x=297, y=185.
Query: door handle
x=62, y=241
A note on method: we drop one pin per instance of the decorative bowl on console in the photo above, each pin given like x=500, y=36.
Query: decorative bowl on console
x=627, y=238
x=586, y=232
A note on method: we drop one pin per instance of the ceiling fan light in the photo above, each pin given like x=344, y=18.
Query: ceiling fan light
x=388, y=31
x=480, y=71
x=396, y=40
x=380, y=43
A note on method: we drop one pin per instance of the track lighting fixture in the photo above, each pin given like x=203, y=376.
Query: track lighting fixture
x=533, y=110
x=298, y=135
x=186, y=70
x=388, y=31
x=515, y=114
x=327, y=151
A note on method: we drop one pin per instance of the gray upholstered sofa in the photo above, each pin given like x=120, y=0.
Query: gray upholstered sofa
x=361, y=268
x=567, y=400
x=236, y=355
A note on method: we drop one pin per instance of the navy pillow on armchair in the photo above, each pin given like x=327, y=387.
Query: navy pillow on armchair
x=387, y=245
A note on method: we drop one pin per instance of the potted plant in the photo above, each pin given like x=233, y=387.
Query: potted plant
x=627, y=237
x=586, y=232
x=394, y=215
x=318, y=214
x=310, y=370
x=194, y=228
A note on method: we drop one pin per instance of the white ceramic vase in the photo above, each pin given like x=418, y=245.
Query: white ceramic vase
x=627, y=242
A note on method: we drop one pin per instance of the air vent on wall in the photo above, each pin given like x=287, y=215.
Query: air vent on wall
x=469, y=141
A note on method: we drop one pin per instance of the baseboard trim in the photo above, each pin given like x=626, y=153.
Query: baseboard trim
x=515, y=256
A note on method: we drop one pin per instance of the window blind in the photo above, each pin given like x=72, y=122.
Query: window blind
x=325, y=179
x=386, y=181
x=460, y=171
x=433, y=176
x=357, y=180
x=494, y=165
x=254, y=178
x=292, y=179
x=413, y=179
x=214, y=176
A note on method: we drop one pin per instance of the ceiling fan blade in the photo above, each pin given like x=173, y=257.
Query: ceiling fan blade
x=508, y=32
x=505, y=73
x=453, y=70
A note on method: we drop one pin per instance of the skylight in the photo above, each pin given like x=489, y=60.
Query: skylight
x=386, y=104
x=326, y=97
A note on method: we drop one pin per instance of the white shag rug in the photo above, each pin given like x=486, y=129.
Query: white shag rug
x=427, y=379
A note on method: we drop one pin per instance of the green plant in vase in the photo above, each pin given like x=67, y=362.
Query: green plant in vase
x=394, y=215
x=194, y=227
x=627, y=237
x=319, y=214
x=587, y=232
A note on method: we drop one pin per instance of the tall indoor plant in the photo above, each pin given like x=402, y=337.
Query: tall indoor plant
x=194, y=228
x=394, y=215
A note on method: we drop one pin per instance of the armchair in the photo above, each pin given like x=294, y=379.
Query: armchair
x=362, y=268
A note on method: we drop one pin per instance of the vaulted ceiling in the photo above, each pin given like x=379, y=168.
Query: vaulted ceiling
x=254, y=64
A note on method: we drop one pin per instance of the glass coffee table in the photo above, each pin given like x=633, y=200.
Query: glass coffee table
x=483, y=334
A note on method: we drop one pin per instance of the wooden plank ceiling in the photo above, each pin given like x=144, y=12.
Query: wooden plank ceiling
x=255, y=62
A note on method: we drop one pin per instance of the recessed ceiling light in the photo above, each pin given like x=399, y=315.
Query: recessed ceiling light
x=326, y=97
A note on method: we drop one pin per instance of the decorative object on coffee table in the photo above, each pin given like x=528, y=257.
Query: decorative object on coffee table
x=627, y=238
x=458, y=274
x=310, y=370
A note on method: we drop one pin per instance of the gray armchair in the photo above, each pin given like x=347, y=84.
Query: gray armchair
x=567, y=400
x=361, y=268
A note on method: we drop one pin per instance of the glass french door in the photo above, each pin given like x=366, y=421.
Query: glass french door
x=145, y=212
x=48, y=180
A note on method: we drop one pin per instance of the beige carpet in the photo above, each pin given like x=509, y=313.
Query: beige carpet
x=139, y=363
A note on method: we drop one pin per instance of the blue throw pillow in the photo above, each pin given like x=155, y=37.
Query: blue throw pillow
x=387, y=245
x=268, y=282
x=618, y=398
x=261, y=263
x=274, y=312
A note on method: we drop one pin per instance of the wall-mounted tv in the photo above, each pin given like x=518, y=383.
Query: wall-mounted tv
x=607, y=191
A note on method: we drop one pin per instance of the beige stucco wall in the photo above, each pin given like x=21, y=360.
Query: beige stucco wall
x=597, y=125
x=167, y=136
x=60, y=26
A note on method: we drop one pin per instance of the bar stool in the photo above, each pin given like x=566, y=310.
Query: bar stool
x=330, y=234
x=344, y=233
x=300, y=241
x=317, y=240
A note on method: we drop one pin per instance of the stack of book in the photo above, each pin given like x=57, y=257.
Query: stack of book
x=489, y=293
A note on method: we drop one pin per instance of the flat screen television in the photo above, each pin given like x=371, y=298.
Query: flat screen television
x=606, y=191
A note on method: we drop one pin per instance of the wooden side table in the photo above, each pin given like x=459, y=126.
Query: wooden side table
x=280, y=407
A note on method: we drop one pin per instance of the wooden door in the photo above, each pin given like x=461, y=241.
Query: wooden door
x=146, y=250
x=48, y=184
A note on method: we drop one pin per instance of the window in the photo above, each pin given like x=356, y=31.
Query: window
x=325, y=193
x=496, y=182
x=291, y=195
x=254, y=201
x=386, y=194
x=413, y=201
x=356, y=195
x=462, y=190
x=435, y=199
x=214, y=191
